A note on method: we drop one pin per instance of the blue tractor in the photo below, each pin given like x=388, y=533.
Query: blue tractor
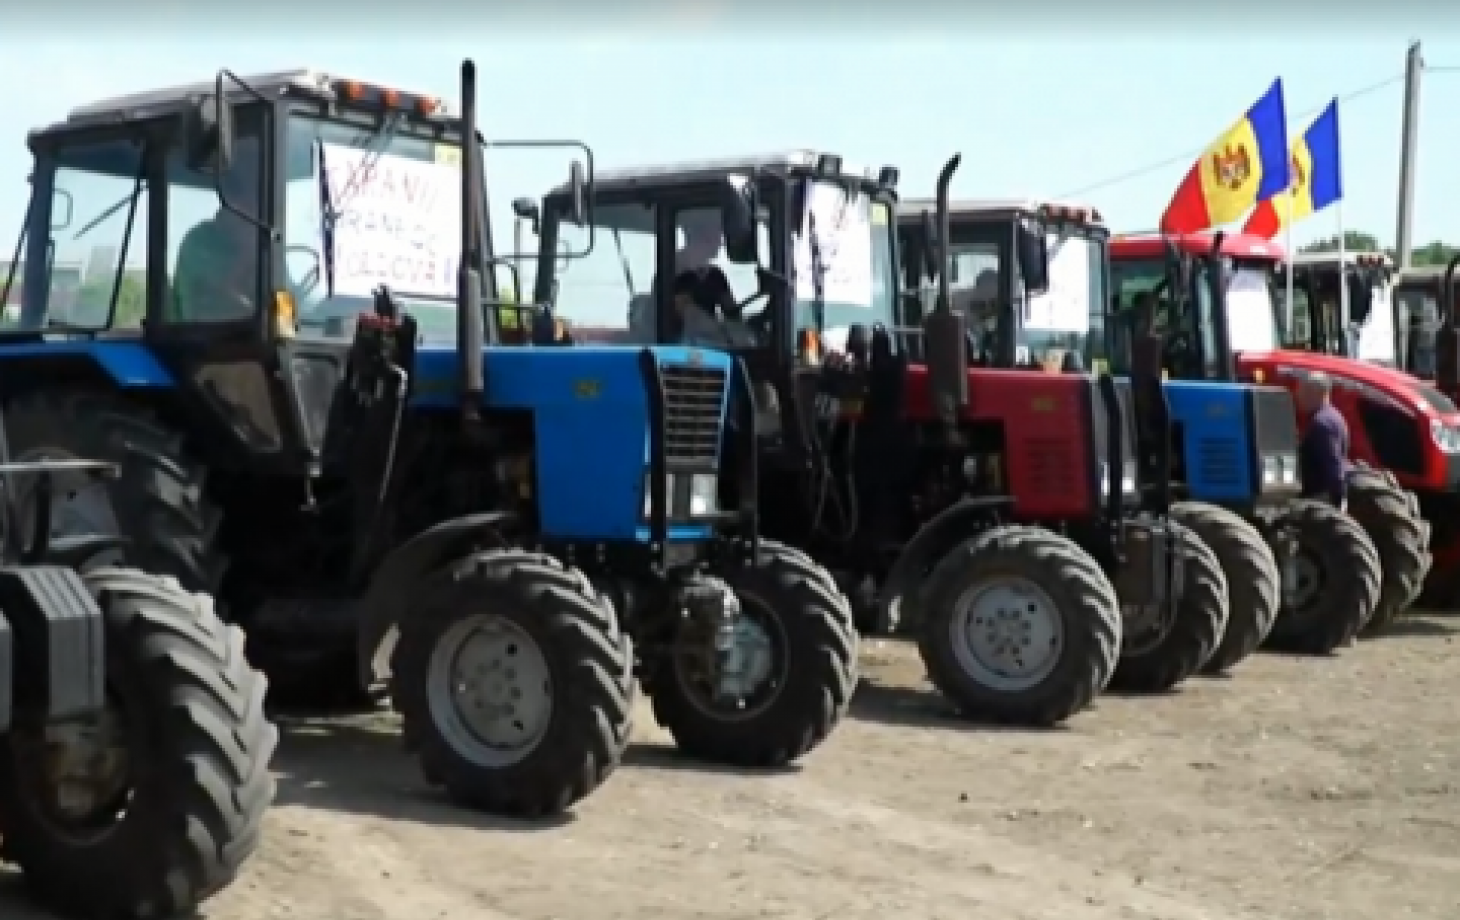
x=1233, y=449
x=240, y=287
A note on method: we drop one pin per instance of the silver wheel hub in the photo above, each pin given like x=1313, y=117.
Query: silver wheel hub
x=1007, y=634
x=490, y=690
x=1302, y=578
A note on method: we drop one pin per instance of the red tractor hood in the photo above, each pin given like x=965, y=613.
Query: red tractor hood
x=1402, y=391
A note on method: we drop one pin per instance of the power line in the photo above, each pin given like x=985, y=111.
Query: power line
x=1186, y=156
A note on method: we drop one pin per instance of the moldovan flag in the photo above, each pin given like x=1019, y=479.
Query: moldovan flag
x=1317, y=179
x=1247, y=164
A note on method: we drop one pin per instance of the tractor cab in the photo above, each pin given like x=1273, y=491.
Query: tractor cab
x=1342, y=308
x=1421, y=308
x=1027, y=275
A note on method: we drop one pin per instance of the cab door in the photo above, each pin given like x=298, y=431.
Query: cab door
x=211, y=300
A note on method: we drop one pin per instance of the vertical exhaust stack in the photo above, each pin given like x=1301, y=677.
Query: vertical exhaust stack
x=469, y=338
x=944, y=334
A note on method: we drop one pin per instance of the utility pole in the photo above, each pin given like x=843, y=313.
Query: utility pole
x=1414, y=66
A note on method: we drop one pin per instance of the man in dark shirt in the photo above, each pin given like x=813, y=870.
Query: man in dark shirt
x=1323, y=453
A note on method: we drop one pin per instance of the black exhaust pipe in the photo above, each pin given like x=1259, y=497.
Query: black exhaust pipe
x=944, y=333
x=469, y=271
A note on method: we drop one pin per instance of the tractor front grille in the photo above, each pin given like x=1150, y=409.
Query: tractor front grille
x=694, y=402
x=1219, y=462
x=1274, y=421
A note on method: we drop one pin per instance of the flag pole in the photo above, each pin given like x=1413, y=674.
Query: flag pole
x=1343, y=281
x=1292, y=268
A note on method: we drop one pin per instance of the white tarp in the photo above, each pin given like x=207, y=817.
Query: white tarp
x=1376, y=336
x=399, y=222
x=1065, y=307
x=844, y=237
x=1251, y=321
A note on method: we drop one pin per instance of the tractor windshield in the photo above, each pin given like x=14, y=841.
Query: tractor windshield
x=1062, y=327
x=1140, y=295
x=366, y=206
x=1417, y=312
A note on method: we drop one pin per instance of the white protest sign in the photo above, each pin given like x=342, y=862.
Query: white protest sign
x=1065, y=307
x=843, y=227
x=1376, y=336
x=1251, y=320
x=398, y=222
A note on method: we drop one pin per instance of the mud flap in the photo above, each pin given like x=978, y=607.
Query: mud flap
x=1150, y=572
x=390, y=589
x=57, y=625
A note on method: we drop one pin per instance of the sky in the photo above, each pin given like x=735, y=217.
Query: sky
x=1113, y=112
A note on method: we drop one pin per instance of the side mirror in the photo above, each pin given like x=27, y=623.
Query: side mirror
x=578, y=193
x=932, y=249
x=1360, y=297
x=210, y=144
x=528, y=210
x=1033, y=260
x=737, y=218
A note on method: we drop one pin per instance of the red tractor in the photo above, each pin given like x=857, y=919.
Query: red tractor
x=1405, y=435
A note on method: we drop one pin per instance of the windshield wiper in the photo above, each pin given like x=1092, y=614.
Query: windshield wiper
x=374, y=146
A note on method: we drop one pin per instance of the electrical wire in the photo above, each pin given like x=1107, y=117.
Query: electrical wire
x=1188, y=155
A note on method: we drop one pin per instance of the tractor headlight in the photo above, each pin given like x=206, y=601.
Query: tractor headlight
x=1127, y=478
x=1446, y=438
x=1279, y=470
x=704, y=494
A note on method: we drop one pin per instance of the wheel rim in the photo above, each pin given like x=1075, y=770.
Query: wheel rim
x=760, y=635
x=1302, y=580
x=80, y=504
x=80, y=775
x=490, y=690
x=1007, y=634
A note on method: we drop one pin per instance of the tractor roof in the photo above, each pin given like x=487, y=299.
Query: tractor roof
x=912, y=209
x=1421, y=275
x=1330, y=260
x=1235, y=245
x=304, y=82
x=695, y=172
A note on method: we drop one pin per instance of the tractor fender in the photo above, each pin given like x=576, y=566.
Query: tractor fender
x=934, y=540
x=390, y=588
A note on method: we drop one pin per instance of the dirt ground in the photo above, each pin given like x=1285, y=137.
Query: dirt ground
x=1305, y=789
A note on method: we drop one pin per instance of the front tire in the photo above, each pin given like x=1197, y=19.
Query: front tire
x=193, y=779
x=1002, y=596
x=1402, y=538
x=812, y=675
x=1157, y=664
x=1333, y=583
x=1254, y=583
x=514, y=683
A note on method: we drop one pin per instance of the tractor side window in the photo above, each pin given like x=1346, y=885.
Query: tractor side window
x=95, y=252
x=214, y=253
x=607, y=296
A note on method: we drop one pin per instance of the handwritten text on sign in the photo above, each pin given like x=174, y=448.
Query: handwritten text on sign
x=843, y=227
x=399, y=222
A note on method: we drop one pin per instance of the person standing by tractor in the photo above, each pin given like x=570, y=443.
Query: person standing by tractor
x=1323, y=453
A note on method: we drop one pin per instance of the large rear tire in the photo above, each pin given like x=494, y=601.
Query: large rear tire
x=159, y=504
x=1019, y=626
x=1389, y=517
x=1254, y=583
x=177, y=800
x=1168, y=654
x=514, y=683
x=796, y=609
x=1332, y=584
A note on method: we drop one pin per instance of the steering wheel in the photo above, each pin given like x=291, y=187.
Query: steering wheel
x=310, y=280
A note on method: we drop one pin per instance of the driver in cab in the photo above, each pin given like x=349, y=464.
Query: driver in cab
x=216, y=276
x=706, y=312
